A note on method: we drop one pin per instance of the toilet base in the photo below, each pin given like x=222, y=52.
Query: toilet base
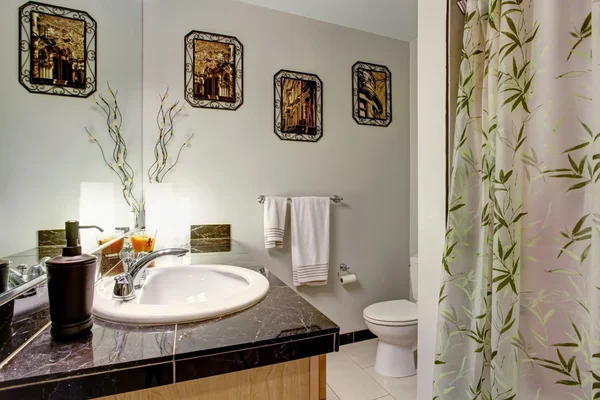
x=395, y=361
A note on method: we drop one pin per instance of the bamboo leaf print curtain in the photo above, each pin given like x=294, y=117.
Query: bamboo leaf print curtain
x=519, y=302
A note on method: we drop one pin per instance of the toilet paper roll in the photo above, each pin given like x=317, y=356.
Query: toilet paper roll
x=345, y=279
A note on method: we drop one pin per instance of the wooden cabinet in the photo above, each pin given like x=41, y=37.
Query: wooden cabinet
x=303, y=379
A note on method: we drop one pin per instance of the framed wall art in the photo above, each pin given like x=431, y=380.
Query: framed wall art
x=371, y=94
x=57, y=50
x=298, y=106
x=213, y=71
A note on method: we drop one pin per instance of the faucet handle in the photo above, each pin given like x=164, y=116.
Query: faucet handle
x=33, y=271
x=123, y=289
x=37, y=269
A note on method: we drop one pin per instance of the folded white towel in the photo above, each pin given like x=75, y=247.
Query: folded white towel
x=310, y=240
x=275, y=213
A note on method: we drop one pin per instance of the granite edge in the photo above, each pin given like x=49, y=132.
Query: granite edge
x=140, y=365
x=41, y=388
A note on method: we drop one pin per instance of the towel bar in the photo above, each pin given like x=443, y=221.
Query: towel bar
x=335, y=198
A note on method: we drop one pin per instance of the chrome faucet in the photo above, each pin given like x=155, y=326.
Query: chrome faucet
x=127, y=282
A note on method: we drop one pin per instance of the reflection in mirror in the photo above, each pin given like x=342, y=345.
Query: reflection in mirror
x=59, y=157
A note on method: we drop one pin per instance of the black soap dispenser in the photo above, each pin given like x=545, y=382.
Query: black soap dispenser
x=71, y=287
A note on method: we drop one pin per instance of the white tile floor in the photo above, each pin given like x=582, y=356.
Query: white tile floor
x=351, y=376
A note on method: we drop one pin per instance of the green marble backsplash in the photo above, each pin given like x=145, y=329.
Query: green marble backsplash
x=214, y=238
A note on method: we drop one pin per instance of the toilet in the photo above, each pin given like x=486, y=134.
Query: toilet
x=395, y=324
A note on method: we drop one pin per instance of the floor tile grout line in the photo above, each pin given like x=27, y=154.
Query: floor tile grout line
x=351, y=359
x=368, y=376
x=381, y=386
x=364, y=370
x=348, y=355
x=330, y=388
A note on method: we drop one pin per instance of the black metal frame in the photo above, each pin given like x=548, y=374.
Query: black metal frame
x=388, y=85
x=278, y=110
x=188, y=77
x=26, y=49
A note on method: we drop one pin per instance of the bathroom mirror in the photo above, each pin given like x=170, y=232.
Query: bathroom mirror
x=59, y=156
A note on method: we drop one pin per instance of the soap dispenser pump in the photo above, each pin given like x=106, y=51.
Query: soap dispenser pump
x=71, y=287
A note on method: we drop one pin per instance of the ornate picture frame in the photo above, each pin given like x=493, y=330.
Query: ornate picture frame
x=371, y=94
x=298, y=106
x=57, y=50
x=214, y=71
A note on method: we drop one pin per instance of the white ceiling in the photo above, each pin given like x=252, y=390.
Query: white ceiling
x=392, y=18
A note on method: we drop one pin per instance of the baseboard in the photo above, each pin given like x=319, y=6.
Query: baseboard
x=357, y=336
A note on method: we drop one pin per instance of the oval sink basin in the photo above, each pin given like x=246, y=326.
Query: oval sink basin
x=183, y=294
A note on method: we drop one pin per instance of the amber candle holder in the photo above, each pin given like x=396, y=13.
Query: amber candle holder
x=143, y=241
x=114, y=248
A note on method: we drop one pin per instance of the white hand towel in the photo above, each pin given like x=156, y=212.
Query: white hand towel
x=310, y=240
x=275, y=213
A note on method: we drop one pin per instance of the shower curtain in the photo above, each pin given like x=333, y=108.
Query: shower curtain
x=519, y=302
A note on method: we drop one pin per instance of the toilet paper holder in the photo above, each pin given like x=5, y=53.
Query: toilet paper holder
x=345, y=270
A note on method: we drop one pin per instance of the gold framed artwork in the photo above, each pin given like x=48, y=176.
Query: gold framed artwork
x=213, y=71
x=371, y=94
x=57, y=50
x=298, y=106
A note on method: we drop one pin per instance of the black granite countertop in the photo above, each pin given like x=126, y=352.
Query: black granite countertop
x=117, y=358
x=24, y=316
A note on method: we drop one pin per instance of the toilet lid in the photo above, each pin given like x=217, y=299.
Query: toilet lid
x=392, y=311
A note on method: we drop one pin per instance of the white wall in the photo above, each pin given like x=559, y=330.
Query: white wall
x=235, y=156
x=431, y=177
x=45, y=150
x=414, y=203
x=391, y=18
x=456, y=24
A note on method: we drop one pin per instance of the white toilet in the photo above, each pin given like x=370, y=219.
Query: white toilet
x=395, y=324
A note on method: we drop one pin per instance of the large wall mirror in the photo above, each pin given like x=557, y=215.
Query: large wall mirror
x=196, y=136
x=67, y=151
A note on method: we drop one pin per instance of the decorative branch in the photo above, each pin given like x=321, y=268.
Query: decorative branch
x=165, y=119
x=117, y=160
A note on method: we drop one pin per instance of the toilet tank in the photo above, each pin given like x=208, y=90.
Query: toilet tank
x=414, y=276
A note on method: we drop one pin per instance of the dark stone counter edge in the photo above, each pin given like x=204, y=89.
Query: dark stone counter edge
x=95, y=384
x=223, y=363
x=109, y=382
x=217, y=352
x=85, y=372
x=253, y=345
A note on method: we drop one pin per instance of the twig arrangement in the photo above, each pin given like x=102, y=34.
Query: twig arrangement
x=165, y=120
x=117, y=161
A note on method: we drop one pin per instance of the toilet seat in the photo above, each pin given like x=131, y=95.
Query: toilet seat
x=392, y=313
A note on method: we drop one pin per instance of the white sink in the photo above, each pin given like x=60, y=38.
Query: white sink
x=183, y=294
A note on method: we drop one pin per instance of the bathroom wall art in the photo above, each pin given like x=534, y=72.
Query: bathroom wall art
x=57, y=50
x=298, y=106
x=371, y=94
x=165, y=120
x=116, y=154
x=213, y=71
